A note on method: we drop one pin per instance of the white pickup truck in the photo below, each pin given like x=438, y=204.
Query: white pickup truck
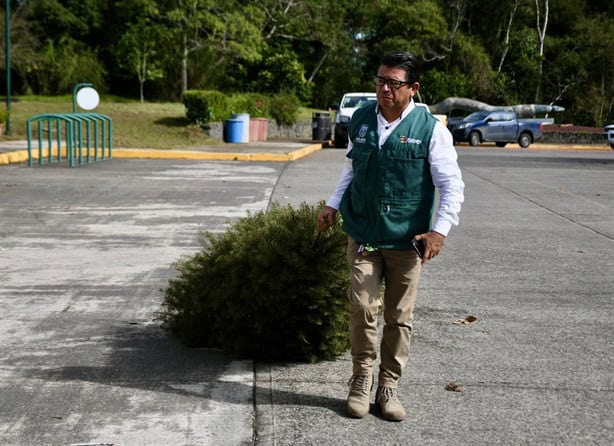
x=349, y=104
x=608, y=134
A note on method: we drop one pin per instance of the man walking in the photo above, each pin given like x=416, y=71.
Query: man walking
x=397, y=155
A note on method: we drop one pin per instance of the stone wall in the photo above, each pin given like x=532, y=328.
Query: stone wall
x=300, y=130
x=303, y=130
x=573, y=138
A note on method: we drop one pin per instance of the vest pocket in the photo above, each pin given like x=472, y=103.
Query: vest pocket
x=360, y=164
x=400, y=220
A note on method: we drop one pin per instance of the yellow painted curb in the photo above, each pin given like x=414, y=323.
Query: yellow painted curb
x=215, y=156
x=20, y=156
x=538, y=146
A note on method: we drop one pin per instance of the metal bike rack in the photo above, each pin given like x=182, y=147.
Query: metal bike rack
x=79, y=137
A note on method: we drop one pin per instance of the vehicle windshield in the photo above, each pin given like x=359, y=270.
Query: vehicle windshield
x=475, y=116
x=357, y=101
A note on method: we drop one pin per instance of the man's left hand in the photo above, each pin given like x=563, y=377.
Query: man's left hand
x=433, y=242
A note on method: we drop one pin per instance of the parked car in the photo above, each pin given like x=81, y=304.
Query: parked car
x=349, y=104
x=608, y=133
x=352, y=102
x=501, y=127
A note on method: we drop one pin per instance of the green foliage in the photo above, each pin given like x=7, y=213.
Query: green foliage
x=268, y=288
x=206, y=106
x=258, y=105
x=285, y=109
x=65, y=64
x=282, y=71
x=138, y=51
x=4, y=116
x=316, y=50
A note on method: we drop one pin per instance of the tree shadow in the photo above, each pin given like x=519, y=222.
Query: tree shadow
x=173, y=121
x=144, y=357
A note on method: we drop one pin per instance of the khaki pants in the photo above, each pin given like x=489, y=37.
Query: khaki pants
x=400, y=271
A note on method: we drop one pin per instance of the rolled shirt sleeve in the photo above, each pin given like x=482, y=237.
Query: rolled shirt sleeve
x=447, y=178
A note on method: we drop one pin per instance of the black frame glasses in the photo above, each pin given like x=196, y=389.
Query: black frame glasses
x=393, y=84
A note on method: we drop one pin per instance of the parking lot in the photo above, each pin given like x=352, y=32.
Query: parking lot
x=86, y=251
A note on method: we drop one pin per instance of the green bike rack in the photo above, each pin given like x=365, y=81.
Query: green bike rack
x=87, y=136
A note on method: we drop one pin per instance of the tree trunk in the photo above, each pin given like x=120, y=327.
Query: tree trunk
x=143, y=76
x=184, y=65
x=317, y=68
x=506, y=41
x=541, y=32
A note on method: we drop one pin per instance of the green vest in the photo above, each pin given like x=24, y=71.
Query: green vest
x=391, y=196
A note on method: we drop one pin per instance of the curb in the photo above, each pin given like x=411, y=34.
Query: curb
x=20, y=156
x=541, y=146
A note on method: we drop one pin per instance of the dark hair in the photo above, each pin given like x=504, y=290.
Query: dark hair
x=406, y=61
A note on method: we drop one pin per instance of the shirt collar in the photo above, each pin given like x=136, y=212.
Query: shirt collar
x=382, y=121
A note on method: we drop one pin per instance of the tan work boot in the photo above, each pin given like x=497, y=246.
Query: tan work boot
x=359, y=397
x=389, y=404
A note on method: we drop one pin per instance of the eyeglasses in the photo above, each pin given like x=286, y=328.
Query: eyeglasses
x=393, y=84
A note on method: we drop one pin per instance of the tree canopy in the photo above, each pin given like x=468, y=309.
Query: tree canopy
x=505, y=52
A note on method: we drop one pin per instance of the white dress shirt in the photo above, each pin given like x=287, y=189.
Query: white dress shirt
x=443, y=165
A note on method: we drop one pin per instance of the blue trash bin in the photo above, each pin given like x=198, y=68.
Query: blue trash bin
x=244, y=118
x=234, y=130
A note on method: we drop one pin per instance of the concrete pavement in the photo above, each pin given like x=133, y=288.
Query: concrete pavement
x=272, y=150
x=85, y=252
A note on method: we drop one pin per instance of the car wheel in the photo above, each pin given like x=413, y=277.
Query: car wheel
x=474, y=138
x=524, y=140
x=501, y=144
x=339, y=143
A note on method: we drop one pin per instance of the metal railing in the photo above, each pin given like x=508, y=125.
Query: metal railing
x=80, y=138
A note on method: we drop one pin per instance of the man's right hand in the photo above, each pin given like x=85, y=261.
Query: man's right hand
x=326, y=218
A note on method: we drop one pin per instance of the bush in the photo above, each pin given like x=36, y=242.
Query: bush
x=258, y=105
x=204, y=106
x=271, y=287
x=285, y=108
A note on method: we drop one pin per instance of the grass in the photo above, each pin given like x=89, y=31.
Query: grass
x=156, y=125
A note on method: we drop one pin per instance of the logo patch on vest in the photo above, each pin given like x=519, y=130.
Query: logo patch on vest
x=362, y=133
x=406, y=140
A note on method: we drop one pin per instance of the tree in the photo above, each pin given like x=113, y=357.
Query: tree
x=139, y=51
x=220, y=27
x=506, y=40
x=542, y=24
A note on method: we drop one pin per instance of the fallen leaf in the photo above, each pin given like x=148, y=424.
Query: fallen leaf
x=454, y=387
x=466, y=321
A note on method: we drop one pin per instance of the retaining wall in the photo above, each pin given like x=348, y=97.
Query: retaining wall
x=303, y=130
x=300, y=130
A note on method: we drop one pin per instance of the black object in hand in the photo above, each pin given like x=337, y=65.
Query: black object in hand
x=418, y=246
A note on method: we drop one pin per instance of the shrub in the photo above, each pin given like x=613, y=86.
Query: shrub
x=285, y=109
x=256, y=104
x=204, y=106
x=271, y=287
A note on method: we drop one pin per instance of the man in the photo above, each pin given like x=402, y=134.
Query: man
x=397, y=155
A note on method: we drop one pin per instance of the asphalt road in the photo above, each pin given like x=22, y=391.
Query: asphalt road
x=84, y=253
